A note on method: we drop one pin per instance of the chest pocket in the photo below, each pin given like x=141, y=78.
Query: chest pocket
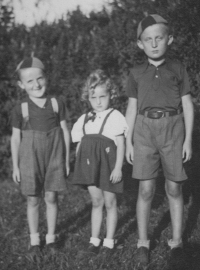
x=171, y=80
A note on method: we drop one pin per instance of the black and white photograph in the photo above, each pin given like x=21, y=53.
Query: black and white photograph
x=99, y=134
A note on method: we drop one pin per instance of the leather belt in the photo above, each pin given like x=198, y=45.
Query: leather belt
x=159, y=114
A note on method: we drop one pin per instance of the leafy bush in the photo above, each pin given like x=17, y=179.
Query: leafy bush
x=72, y=48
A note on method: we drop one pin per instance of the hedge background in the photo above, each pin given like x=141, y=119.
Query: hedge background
x=72, y=48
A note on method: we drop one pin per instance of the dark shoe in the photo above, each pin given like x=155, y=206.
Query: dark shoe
x=34, y=254
x=177, y=259
x=93, y=249
x=51, y=249
x=142, y=258
x=107, y=251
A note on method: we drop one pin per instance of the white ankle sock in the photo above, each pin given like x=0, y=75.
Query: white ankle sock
x=35, y=239
x=143, y=243
x=95, y=241
x=108, y=243
x=50, y=238
x=175, y=244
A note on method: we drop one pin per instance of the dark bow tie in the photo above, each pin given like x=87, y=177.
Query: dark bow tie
x=91, y=116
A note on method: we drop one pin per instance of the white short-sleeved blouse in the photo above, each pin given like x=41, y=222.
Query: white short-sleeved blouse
x=115, y=125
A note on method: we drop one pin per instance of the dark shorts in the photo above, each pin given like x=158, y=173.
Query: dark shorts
x=159, y=141
x=42, y=161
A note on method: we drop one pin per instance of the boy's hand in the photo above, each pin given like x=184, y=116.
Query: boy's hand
x=187, y=151
x=116, y=176
x=130, y=153
x=16, y=176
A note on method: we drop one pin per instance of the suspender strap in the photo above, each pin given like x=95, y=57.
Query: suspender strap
x=104, y=122
x=25, y=112
x=54, y=104
x=102, y=126
x=24, y=107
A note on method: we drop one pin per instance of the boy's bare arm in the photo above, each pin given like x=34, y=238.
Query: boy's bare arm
x=15, y=143
x=66, y=134
x=188, y=111
x=131, y=113
x=116, y=175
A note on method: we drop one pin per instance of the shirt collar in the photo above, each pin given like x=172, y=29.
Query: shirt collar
x=162, y=64
x=103, y=113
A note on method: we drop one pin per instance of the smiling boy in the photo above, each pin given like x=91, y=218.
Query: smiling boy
x=159, y=99
x=40, y=151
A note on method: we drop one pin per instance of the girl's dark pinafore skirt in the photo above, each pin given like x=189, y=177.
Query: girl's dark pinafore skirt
x=95, y=161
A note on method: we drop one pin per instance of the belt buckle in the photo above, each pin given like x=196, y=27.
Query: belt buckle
x=162, y=114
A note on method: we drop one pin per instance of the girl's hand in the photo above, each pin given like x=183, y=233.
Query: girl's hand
x=16, y=176
x=67, y=168
x=116, y=176
x=77, y=148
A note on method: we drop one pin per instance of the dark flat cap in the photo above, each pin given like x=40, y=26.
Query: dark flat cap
x=148, y=21
x=30, y=62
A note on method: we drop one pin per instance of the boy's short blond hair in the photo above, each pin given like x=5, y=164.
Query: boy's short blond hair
x=96, y=78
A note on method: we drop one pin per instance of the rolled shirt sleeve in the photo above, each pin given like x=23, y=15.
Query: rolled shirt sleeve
x=77, y=130
x=131, y=86
x=117, y=123
x=16, y=117
x=185, y=83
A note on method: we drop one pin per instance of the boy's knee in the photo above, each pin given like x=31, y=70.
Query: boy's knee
x=146, y=194
x=32, y=201
x=50, y=197
x=174, y=191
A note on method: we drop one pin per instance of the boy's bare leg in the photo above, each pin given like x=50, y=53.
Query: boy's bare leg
x=175, y=196
x=33, y=253
x=52, y=211
x=111, y=209
x=145, y=196
x=33, y=213
x=33, y=221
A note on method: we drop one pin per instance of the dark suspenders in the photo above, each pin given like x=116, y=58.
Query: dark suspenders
x=102, y=126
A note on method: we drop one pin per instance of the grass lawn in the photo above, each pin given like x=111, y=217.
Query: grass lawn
x=74, y=226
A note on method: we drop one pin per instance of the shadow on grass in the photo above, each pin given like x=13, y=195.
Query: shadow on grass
x=73, y=223
x=193, y=251
x=192, y=187
x=127, y=223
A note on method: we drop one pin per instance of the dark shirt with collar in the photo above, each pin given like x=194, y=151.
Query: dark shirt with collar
x=158, y=88
x=41, y=119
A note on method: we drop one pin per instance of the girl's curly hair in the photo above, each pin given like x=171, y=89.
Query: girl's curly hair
x=96, y=78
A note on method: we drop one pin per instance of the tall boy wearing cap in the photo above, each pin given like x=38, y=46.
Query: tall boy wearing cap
x=158, y=92
x=40, y=150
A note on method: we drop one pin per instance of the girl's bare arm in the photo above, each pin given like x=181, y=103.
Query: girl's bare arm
x=116, y=175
